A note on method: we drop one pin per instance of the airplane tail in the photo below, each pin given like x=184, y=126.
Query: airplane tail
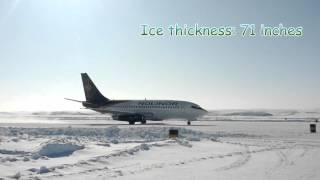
x=92, y=93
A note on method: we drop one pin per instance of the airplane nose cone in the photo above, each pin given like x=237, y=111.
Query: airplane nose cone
x=203, y=112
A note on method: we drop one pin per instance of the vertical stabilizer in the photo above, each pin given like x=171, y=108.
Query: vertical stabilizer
x=92, y=93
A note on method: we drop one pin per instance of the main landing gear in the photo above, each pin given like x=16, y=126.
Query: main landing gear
x=143, y=120
x=139, y=118
x=189, y=122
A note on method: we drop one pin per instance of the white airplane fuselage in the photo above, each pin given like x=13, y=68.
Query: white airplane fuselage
x=154, y=109
x=138, y=110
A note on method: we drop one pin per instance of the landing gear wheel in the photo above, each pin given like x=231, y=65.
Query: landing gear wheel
x=189, y=123
x=131, y=122
x=143, y=120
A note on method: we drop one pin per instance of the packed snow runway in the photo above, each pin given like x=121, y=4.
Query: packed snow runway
x=48, y=146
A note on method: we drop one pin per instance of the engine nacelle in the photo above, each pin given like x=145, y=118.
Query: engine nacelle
x=128, y=117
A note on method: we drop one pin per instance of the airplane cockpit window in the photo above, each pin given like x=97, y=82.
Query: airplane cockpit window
x=196, y=107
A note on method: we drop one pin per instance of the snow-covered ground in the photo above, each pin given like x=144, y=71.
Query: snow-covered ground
x=230, y=144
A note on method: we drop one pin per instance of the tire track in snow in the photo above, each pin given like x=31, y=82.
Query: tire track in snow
x=287, y=157
x=247, y=154
x=245, y=157
x=101, y=161
x=100, y=164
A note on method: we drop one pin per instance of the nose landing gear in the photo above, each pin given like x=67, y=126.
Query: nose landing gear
x=189, y=122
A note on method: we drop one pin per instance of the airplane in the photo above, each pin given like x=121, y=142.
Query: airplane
x=137, y=110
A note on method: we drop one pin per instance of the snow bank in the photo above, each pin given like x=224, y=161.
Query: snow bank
x=58, y=148
x=44, y=169
x=16, y=176
x=142, y=147
x=12, y=152
x=112, y=134
x=248, y=113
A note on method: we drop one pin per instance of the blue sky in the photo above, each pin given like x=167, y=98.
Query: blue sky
x=46, y=44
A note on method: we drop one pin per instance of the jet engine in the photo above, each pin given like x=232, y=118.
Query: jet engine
x=131, y=118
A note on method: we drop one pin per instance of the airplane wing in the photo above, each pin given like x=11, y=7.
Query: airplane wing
x=148, y=115
x=102, y=110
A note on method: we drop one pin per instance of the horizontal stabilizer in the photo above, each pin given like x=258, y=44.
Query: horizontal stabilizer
x=73, y=100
